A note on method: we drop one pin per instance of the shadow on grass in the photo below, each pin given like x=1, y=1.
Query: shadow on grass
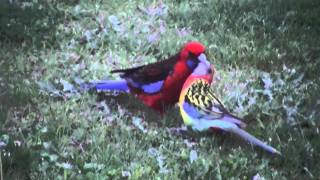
x=136, y=107
x=28, y=22
x=26, y=27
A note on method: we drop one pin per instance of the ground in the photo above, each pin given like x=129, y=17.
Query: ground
x=267, y=56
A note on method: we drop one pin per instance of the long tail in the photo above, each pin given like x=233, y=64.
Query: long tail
x=232, y=127
x=253, y=140
x=113, y=85
x=245, y=135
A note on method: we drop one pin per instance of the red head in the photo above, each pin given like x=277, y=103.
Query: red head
x=193, y=47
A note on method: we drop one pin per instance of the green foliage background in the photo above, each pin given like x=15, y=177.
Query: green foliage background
x=267, y=54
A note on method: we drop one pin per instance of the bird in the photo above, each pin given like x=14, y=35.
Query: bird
x=158, y=84
x=201, y=110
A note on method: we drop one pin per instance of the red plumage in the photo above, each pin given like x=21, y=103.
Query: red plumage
x=170, y=91
x=158, y=85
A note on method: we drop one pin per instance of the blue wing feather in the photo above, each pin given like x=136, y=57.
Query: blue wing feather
x=191, y=110
x=153, y=87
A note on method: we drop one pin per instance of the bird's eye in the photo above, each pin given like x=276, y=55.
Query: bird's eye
x=192, y=55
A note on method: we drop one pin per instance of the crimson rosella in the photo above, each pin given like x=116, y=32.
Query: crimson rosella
x=203, y=111
x=158, y=85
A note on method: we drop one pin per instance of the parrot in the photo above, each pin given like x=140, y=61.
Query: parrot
x=158, y=84
x=202, y=111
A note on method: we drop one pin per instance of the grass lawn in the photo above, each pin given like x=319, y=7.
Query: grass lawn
x=267, y=55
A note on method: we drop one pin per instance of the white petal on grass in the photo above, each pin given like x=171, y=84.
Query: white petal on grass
x=93, y=166
x=65, y=165
x=115, y=23
x=252, y=101
x=193, y=155
x=46, y=145
x=77, y=9
x=153, y=152
x=17, y=143
x=88, y=34
x=2, y=144
x=183, y=32
x=78, y=80
x=298, y=81
x=66, y=85
x=126, y=174
x=162, y=27
x=280, y=82
x=291, y=112
x=44, y=130
x=137, y=122
x=159, y=10
x=161, y=164
x=153, y=37
x=267, y=81
x=53, y=157
x=189, y=143
x=113, y=19
x=257, y=177
x=160, y=159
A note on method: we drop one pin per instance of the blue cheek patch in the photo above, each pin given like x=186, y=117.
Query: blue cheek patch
x=153, y=87
x=191, y=64
x=191, y=110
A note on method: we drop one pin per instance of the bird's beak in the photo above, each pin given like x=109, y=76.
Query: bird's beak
x=203, y=58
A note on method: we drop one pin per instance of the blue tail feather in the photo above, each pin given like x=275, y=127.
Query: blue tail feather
x=253, y=140
x=112, y=85
x=230, y=125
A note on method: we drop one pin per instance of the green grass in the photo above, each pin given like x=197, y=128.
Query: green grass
x=266, y=54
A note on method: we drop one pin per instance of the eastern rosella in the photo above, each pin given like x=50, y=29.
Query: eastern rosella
x=158, y=85
x=203, y=111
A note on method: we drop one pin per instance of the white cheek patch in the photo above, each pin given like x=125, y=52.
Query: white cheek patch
x=201, y=69
x=203, y=58
x=203, y=65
